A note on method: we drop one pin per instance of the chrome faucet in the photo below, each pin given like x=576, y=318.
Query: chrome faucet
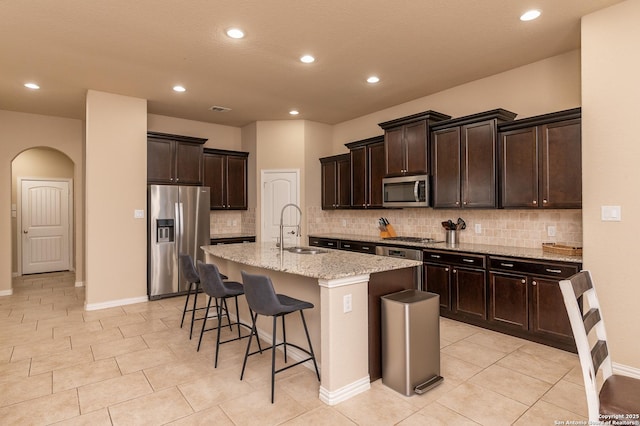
x=297, y=232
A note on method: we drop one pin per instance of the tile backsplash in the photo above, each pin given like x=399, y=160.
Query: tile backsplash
x=232, y=222
x=515, y=228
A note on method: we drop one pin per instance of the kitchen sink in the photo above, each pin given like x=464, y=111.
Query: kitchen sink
x=305, y=250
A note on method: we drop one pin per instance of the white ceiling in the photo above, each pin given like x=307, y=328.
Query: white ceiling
x=142, y=48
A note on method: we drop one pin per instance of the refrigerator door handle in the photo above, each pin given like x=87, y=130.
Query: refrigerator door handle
x=180, y=225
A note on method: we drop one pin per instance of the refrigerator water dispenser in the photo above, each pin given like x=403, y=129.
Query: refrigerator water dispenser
x=165, y=230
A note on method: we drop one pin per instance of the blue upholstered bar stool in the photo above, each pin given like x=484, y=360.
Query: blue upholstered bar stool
x=263, y=300
x=214, y=286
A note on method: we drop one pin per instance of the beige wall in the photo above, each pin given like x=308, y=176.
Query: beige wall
x=41, y=163
x=288, y=145
x=219, y=136
x=116, y=175
x=19, y=132
x=549, y=85
x=610, y=153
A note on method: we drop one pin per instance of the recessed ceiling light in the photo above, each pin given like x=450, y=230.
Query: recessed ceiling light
x=373, y=79
x=530, y=15
x=235, y=33
x=179, y=89
x=31, y=86
x=294, y=112
x=307, y=59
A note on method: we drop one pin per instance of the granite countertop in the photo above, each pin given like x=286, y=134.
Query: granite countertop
x=495, y=250
x=333, y=264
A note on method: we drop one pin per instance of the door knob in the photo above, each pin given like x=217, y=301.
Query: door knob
x=25, y=231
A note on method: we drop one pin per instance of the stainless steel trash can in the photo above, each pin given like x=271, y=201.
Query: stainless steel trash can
x=411, y=341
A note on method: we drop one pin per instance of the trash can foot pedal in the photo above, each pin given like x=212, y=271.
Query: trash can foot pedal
x=429, y=384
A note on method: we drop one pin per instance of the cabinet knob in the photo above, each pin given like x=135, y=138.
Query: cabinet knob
x=544, y=201
x=465, y=203
x=535, y=283
x=535, y=202
x=455, y=271
x=457, y=203
x=523, y=281
x=446, y=269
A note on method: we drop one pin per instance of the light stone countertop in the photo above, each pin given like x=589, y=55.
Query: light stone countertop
x=333, y=264
x=528, y=253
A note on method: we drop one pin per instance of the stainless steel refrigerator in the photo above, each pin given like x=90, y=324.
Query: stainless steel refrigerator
x=178, y=223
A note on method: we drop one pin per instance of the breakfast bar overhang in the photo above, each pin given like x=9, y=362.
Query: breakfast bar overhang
x=337, y=283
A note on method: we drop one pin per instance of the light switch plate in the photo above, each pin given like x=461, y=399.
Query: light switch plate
x=138, y=214
x=611, y=213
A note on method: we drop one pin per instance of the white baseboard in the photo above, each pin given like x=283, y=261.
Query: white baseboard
x=115, y=303
x=345, y=392
x=6, y=292
x=79, y=283
x=625, y=370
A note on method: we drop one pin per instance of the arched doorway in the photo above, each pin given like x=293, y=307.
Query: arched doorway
x=42, y=211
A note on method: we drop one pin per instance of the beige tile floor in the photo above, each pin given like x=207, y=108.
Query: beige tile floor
x=134, y=365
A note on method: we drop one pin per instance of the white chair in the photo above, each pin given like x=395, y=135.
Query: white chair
x=618, y=395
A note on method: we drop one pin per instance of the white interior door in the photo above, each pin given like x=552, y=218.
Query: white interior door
x=279, y=188
x=45, y=233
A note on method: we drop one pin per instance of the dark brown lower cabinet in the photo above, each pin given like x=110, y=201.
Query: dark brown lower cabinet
x=525, y=299
x=470, y=292
x=460, y=280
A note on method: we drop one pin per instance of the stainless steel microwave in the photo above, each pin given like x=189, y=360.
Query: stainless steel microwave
x=405, y=191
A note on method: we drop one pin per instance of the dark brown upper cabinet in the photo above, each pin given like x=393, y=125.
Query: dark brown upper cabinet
x=367, y=171
x=541, y=161
x=174, y=159
x=225, y=173
x=336, y=181
x=464, y=160
x=406, y=143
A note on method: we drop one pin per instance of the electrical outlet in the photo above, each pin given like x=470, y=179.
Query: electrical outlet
x=346, y=303
x=138, y=214
x=551, y=231
x=478, y=228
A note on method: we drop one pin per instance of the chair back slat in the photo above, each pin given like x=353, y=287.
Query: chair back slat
x=591, y=319
x=581, y=283
x=599, y=353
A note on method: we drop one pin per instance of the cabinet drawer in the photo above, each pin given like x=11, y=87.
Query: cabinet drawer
x=323, y=242
x=547, y=269
x=357, y=246
x=451, y=258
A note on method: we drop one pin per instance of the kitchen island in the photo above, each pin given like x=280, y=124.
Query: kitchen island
x=344, y=287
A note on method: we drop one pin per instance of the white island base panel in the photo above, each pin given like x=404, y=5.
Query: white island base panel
x=340, y=339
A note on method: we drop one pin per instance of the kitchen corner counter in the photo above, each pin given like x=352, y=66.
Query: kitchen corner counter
x=334, y=264
x=494, y=250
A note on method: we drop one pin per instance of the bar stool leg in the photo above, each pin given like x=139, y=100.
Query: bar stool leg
x=237, y=316
x=193, y=311
x=204, y=322
x=313, y=356
x=273, y=357
x=219, y=315
x=186, y=303
x=254, y=318
x=284, y=338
